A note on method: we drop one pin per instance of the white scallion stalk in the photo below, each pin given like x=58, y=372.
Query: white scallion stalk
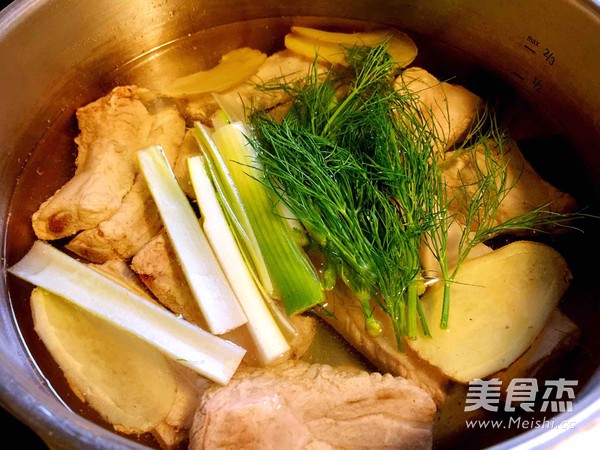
x=234, y=211
x=270, y=341
x=231, y=199
x=294, y=277
x=51, y=269
x=205, y=277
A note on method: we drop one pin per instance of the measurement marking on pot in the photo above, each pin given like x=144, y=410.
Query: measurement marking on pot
x=531, y=44
x=549, y=56
x=540, y=56
x=535, y=82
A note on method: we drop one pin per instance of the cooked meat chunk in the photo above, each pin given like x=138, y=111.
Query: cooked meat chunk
x=526, y=189
x=123, y=234
x=137, y=220
x=158, y=268
x=120, y=272
x=297, y=405
x=112, y=129
x=450, y=110
x=306, y=329
x=281, y=67
x=174, y=430
x=345, y=315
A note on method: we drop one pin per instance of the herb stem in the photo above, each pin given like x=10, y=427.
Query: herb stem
x=446, y=305
x=412, y=300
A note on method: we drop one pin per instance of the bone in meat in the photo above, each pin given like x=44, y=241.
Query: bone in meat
x=345, y=315
x=448, y=109
x=526, y=189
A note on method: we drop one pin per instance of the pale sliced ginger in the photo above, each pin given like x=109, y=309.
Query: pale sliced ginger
x=128, y=382
x=499, y=304
x=330, y=47
x=234, y=68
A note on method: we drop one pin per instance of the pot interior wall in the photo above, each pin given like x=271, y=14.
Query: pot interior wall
x=58, y=64
x=75, y=57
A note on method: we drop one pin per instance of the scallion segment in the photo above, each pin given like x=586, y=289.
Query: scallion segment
x=269, y=339
x=205, y=277
x=49, y=268
x=295, y=280
x=231, y=205
x=231, y=202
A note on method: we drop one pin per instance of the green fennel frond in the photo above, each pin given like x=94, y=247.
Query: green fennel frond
x=357, y=163
x=354, y=162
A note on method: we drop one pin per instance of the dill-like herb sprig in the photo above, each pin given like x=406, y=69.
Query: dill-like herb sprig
x=475, y=202
x=355, y=161
x=356, y=171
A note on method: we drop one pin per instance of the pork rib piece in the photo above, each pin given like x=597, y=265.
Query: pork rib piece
x=137, y=220
x=527, y=190
x=448, y=109
x=157, y=266
x=297, y=405
x=112, y=128
x=173, y=432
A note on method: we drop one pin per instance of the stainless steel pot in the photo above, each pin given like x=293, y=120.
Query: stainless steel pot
x=55, y=52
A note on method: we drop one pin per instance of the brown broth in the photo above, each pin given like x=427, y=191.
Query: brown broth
x=52, y=163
